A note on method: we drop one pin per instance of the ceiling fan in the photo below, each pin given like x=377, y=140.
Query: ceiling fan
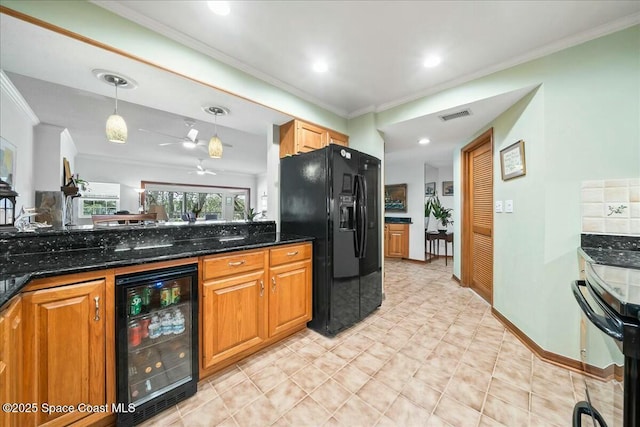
x=201, y=170
x=190, y=141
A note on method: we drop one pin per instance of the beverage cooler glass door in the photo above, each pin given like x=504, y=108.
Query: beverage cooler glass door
x=157, y=329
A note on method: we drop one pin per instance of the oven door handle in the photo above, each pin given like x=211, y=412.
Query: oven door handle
x=607, y=324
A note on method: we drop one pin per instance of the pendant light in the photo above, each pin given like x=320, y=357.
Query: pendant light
x=215, y=144
x=116, y=126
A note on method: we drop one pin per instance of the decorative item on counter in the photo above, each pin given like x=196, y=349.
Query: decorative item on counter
x=251, y=214
x=7, y=205
x=23, y=221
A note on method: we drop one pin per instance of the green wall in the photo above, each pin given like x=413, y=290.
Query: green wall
x=106, y=27
x=583, y=122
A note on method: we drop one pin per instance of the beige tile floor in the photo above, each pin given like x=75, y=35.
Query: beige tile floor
x=432, y=355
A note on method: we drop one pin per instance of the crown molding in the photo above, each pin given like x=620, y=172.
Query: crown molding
x=120, y=9
x=15, y=96
x=575, y=40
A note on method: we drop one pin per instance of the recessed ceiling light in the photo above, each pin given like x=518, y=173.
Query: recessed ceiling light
x=219, y=7
x=424, y=141
x=320, y=66
x=432, y=61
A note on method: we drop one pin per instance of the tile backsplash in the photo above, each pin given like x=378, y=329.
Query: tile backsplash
x=611, y=206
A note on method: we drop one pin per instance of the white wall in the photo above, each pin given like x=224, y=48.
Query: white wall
x=68, y=151
x=47, y=163
x=16, y=126
x=412, y=174
x=129, y=176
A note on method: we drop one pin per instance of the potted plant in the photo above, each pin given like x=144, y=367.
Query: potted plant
x=441, y=214
x=428, y=209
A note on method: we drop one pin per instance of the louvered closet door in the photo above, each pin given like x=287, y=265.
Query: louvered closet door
x=481, y=205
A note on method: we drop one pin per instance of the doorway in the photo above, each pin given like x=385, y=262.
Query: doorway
x=477, y=216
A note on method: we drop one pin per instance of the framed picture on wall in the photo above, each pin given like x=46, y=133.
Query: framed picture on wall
x=429, y=189
x=395, y=198
x=512, y=161
x=447, y=188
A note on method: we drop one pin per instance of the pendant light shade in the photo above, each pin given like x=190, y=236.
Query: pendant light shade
x=215, y=147
x=215, y=144
x=116, y=129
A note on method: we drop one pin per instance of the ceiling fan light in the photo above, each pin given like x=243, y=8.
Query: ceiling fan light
x=215, y=147
x=116, y=129
x=189, y=144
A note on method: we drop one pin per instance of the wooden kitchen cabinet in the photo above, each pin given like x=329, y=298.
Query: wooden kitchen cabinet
x=251, y=299
x=65, y=350
x=290, y=288
x=297, y=136
x=337, y=138
x=233, y=301
x=396, y=237
x=11, y=360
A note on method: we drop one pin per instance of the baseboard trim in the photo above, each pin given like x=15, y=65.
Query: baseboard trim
x=455, y=278
x=557, y=359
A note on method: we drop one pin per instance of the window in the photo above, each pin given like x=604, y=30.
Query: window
x=210, y=202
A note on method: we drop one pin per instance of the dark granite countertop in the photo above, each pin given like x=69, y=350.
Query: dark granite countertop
x=615, y=251
x=397, y=220
x=18, y=267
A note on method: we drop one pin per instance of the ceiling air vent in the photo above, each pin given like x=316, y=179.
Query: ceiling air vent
x=456, y=115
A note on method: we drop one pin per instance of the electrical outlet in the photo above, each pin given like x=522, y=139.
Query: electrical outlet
x=508, y=206
x=498, y=206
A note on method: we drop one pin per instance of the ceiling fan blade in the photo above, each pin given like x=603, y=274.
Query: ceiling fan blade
x=192, y=134
x=166, y=143
x=209, y=172
x=160, y=133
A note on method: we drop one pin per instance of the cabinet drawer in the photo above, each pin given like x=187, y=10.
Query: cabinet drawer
x=239, y=262
x=396, y=227
x=290, y=254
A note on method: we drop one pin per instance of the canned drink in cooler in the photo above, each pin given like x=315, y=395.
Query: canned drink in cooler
x=135, y=303
x=165, y=297
x=135, y=334
x=175, y=293
x=144, y=325
x=146, y=296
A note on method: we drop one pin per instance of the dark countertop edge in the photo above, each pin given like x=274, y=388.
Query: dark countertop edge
x=23, y=280
x=610, y=261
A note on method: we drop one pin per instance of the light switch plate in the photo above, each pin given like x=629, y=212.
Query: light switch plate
x=508, y=206
x=498, y=206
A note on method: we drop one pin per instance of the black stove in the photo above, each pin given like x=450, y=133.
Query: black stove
x=610, y=301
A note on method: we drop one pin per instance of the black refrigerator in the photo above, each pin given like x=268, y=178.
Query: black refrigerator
x=333, y=195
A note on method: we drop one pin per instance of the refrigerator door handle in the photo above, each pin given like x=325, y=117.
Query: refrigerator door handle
x=361, y=216
x=358, y=217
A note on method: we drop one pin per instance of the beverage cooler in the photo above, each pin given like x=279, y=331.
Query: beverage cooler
x=157, y=344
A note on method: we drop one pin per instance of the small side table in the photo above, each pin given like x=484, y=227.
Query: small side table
x=434, y=237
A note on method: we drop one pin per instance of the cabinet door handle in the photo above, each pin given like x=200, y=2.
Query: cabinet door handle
x=261, y=287
x=292, y=253
x=273, y=284
x=234, y=264
x=97, y=301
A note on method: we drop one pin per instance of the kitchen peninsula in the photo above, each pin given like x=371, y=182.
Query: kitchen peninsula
x=59, y=303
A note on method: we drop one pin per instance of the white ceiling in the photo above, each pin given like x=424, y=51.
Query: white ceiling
x=54, y=75
x=374, y=49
